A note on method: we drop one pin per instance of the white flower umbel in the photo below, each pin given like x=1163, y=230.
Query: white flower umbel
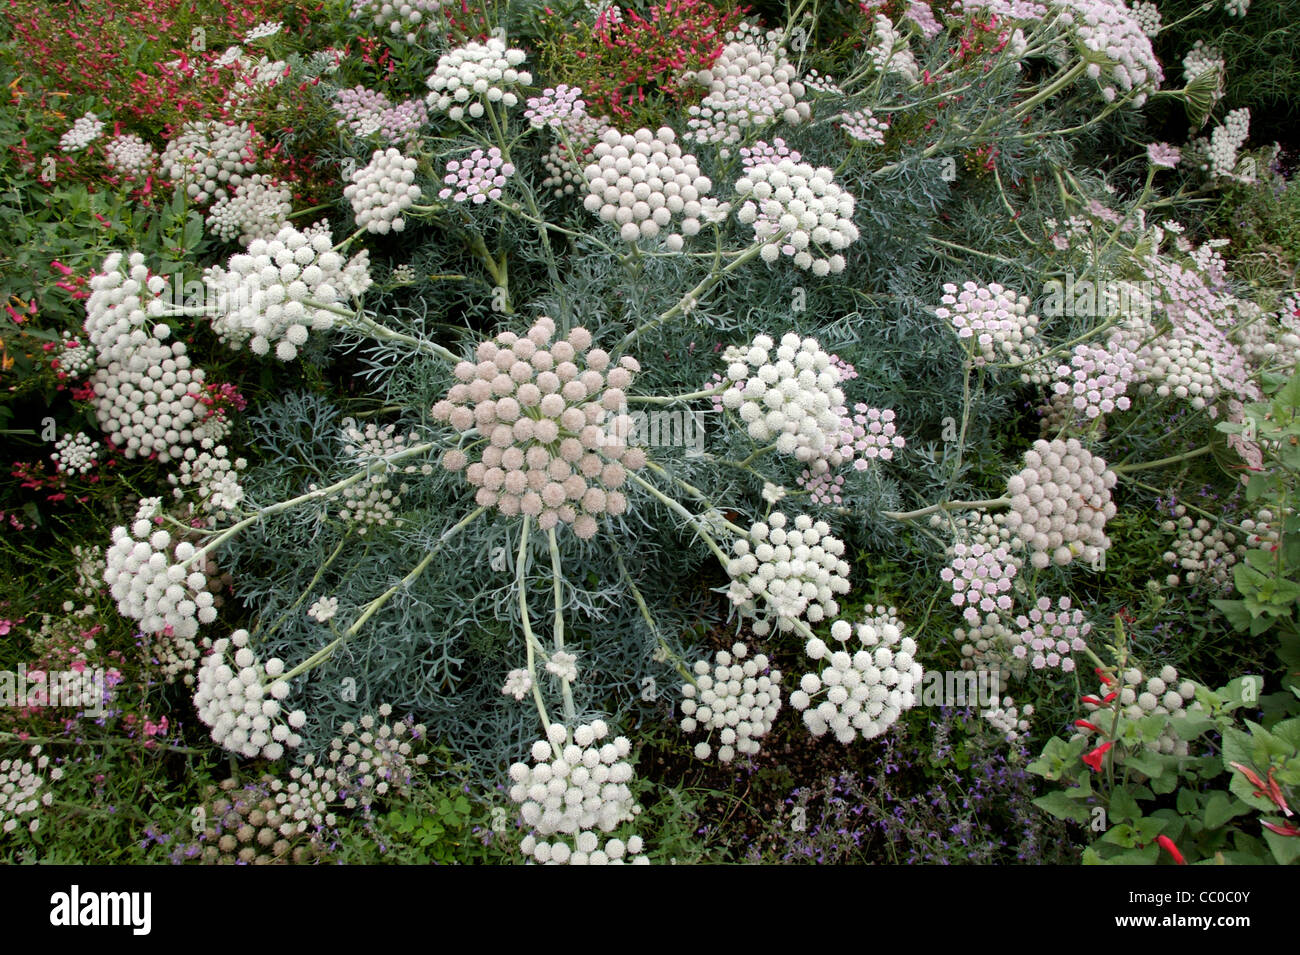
x=381, y=190
x=303, y=802
x=866, y=685
x=1119, y=51
x=83, y=132
x=1060, y=503
x=324, y=609
x=794, y=573
x=261, y=295
x=146, y=402
x=639, y=182
x=404, y=18
x=805, y=208
x=76, y=453
x=209, y=157
x=375, y=759
x=574, y=786
x=737, y=698
x=466, y=76
x=750, y=85
x=212, y=474
x=20, y=789
x=130, y=155
x=150, y=588
x=240, y=699
x=258, y=210
x=792, y=398
x=519, y=683
x=543, y=405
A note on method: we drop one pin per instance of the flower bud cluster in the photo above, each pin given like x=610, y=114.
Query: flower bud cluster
x=564, y=173
x=376, y=759
x=750, y=85
x=1116, y=45
x=150, y=588
x=990, y=645
x=382, y=190
x=477, y=178
x=83, y=132
x=575, y=784
x=868, y=436
x=76, y=454
x=981, y=579
x=823, y=488
x=890, y=52
x=795, y=572
x=20, y=789
x=867, y=686
x=130, y=155
x=737, y=697
x=211, y=473
x=1049, y=636
x=541, y=404
x=1060, y=503
x=370, y=113
x=404, y=18
x=800, y=212
x=242, y=824
x=1203, y=552
x=303, y=802
x=1225, y=141
x=863, y=126
x=1009, y=719
x=1202, y=59
x=997, y=318
x=557, y=107
x=640, y=181
x=74, y=359
x=762, y=154
x=1095, y=381
x=793, y=399
x=258, y=210
x=275, y=291
x=207, y=157
x=474, y=72
x=242, y=703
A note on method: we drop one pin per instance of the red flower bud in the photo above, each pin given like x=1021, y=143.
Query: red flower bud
x=1168, y=845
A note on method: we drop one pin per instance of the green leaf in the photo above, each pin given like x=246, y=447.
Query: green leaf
x=1123, y=807
x=1235, y=611
x=1220, y=808
x=1060, y=805
x=1285, y=849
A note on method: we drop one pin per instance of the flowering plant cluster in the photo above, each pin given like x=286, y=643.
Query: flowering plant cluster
x=477, y=470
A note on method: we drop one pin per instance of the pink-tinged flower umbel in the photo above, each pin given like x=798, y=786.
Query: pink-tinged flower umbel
x=1163, y=156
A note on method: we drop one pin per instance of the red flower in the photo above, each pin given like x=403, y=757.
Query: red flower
x=1168, y=845
x=1086, y=725
x=1094, y=758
